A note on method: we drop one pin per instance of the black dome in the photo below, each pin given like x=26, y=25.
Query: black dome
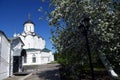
x=28, y=21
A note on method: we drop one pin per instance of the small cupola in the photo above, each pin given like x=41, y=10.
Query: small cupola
x=28, y=25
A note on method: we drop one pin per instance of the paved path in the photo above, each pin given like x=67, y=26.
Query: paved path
x=45, y=72
x=42, y=72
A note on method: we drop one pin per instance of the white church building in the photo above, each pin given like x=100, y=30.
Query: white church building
x=36, y=52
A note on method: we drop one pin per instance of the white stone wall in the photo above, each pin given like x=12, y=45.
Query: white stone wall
x=30, y=55
x=41, y=57
x=33, y=42
x=51, y=57
x=4, y=57
x=47, y=57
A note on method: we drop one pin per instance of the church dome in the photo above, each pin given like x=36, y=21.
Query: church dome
x=29, y=27
x=28, y=21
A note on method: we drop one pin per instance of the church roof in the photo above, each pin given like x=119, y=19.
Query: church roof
x=45, y=50
x=16, y=38
x=32, y=49
x=1, y=32
x=28, y=21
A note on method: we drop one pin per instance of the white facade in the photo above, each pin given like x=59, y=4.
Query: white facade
x=5, y=53
x=32, y=41
x=35, y=46
x=46, y=57
x=9, y=50
x=33, y=57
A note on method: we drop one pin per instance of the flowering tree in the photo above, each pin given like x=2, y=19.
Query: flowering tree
x=104, y=30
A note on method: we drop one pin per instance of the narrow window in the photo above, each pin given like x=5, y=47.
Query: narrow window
x=34, y=59
x=30, y=28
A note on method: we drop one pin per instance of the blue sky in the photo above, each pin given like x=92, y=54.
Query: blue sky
x=13, y=13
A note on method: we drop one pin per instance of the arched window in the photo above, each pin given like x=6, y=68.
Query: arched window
x=30, y=28
x=34, y=59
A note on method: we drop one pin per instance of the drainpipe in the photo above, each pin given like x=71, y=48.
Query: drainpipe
x=10, y=59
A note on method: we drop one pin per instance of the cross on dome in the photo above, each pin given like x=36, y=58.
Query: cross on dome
x=28, y=21
x=29, y=16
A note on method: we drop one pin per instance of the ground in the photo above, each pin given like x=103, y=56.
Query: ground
x=45, y=72
x=41, y=72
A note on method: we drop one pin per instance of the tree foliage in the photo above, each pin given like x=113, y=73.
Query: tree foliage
x=104, y=31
